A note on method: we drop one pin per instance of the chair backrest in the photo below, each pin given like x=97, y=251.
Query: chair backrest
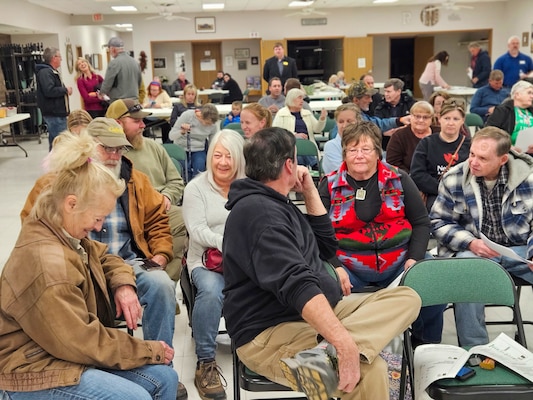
x=330, y=124
x=472, y=119
x=178, y=165
x=175, y=151
x=460, y=280
x=235, y=126
x=307, y=148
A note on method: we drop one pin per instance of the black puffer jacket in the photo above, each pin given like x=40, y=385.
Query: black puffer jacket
x=52, y=95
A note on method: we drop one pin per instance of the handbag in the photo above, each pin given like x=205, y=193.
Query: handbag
x=212, y=260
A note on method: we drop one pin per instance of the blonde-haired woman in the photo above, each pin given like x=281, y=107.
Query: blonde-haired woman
x=78, y=120
x=57, y=329
x=89, y=83
x=205, y=215
x=189, y=101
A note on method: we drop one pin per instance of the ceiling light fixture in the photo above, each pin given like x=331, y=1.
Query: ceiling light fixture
x=123, y=8
x=301, y=3
x=213, y=6
x=124, y=25
x=384, y=1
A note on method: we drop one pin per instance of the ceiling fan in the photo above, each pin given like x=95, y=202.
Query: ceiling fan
x=306, y=12
x=450, y=5
x=165, y=12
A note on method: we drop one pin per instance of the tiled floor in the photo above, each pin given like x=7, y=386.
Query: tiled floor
x=17, y=175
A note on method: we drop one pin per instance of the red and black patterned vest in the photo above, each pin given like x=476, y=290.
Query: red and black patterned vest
x=381, y=243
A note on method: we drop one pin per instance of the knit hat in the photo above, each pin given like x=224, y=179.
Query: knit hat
x=108, y=131
x=115, y=42
x=126, y=108
x=359, y=89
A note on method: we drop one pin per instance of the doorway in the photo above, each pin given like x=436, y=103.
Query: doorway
x=207, y=59
x=402, y=56
x=316, y=59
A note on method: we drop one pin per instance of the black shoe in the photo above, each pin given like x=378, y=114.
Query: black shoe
x=313, y=372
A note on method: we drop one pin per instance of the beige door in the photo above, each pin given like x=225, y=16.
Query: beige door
x=423, y=51
x=357, y=57
x=206, y=51
x=267, y=51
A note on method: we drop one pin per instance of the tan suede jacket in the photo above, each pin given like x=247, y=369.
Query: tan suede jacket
x=55, y=313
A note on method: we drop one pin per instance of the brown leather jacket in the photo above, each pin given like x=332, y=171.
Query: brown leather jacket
x=55, y=313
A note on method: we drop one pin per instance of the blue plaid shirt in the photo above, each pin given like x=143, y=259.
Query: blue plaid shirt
x=116, y=234
x=457, y=214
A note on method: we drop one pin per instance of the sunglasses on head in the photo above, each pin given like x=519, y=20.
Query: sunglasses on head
x=133, y=109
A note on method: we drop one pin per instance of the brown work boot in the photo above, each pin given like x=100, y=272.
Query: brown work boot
x=207, y=380
x=182, y=392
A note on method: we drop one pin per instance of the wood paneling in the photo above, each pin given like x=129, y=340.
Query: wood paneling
x=204, y=79
x=267, y=51
x=424, y=49
x=357, y=48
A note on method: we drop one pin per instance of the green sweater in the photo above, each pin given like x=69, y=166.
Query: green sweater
x=153, y=160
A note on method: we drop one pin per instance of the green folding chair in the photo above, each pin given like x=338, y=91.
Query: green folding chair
x=305, y=147
x=466, y=280
x=474, y=120
x=235, y=126
x=177, y=155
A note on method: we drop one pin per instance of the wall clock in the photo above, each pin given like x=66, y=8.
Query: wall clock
x=429, y=15
x=70, y=58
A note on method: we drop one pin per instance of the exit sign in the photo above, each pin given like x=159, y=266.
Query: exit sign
x=98, y=17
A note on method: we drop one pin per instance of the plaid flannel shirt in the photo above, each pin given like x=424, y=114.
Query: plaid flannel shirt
x=457, y=212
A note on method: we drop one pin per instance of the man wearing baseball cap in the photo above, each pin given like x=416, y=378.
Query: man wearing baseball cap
x=123, y=75
x=361, y=95
x=151, y=158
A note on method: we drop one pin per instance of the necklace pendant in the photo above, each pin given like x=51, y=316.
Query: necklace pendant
x=360, y=194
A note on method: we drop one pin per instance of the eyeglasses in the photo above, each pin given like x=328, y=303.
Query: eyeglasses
x=420, y=117
x=114, y=150
x=133, y=109
x=365, y=151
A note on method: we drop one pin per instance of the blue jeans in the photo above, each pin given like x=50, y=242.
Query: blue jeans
x=427, y=328
x=196, y=163
x=157, y=294
x=470, y=317
x=55, y=126
x=207, y=311
x=144, y=383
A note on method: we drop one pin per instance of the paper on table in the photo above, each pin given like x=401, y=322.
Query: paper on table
x=524, y=138
x=504, y=251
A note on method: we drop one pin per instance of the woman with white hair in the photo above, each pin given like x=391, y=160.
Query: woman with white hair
x=300, y=121
x=516, y=113
x=205, y=217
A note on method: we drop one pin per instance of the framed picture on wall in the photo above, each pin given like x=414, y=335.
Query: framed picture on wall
x=205, y=25
x=160, y=62
x=96, y=61
x=241, y=54
x=241, y=64
x=255, y=60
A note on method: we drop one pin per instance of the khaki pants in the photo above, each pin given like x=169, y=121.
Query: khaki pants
x=179, y=239
x=372, y=320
